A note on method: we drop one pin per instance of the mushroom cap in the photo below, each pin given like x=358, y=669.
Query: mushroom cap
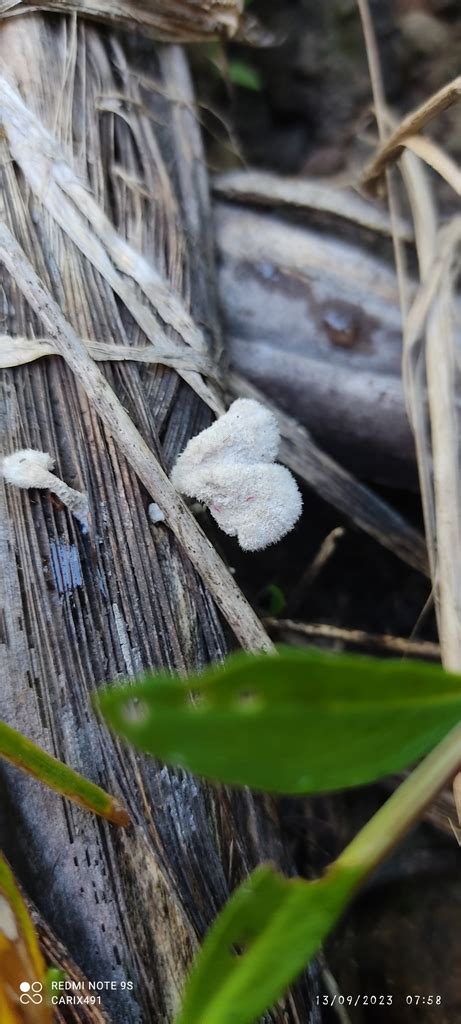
x=230, y=467
x=258, y=504
x=28, y=468
x=247, y=433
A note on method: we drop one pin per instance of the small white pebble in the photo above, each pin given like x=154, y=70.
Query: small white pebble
x=155, y=513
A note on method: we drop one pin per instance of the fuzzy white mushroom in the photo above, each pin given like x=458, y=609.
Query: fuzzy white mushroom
x=230, y=468
x=31, y=468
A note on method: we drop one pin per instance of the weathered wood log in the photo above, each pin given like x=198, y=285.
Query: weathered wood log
x=314, y=321
x=77, y=608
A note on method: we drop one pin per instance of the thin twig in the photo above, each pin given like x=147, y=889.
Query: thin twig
x=313, y=569
x=383, y=642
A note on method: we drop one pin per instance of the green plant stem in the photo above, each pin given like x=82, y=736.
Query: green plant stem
x=20, y=751
x=384, y=830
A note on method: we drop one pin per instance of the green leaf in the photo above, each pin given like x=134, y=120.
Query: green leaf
x=245, y=75
x=267, y=932
x=20, y=751
x=271, y=927
x=299, y=722
x=273, y=599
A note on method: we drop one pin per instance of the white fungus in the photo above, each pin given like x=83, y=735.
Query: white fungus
x=155, y=513
x=230, y=468
x=31, y=468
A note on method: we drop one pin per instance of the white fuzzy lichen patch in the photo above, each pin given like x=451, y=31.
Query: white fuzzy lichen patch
x=230, y=467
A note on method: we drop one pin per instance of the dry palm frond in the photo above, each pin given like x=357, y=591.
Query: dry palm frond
x=108, y=272
x=72, y=205
x=178, y=21
x=106, y=404
x=132, y=597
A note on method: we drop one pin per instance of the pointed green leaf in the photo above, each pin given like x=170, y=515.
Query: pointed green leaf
x=20, y=751
x=298, y=722
x=246, y=75
x=270, y=928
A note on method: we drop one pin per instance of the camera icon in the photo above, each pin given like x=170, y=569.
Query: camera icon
x=31, y=993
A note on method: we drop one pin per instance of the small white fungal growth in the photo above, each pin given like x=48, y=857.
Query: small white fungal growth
x=31, y=468
x=230, y=468
x=155, y=513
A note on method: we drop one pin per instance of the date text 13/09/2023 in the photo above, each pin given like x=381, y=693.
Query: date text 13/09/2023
x=337, y=999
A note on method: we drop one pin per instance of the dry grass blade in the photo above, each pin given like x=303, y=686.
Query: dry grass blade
x=20, y=350
x=228, y=597
x=265, y=189
x=411, y=125
x=436, y=158
x=447, y=240
x=183, y=21
x=414, y=369
x=442, y=391
x=434, y=365
x=379, y=100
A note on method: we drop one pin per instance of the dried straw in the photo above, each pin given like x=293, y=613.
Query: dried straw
x=179, y=21
x=411, y=126
x=430, y=366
